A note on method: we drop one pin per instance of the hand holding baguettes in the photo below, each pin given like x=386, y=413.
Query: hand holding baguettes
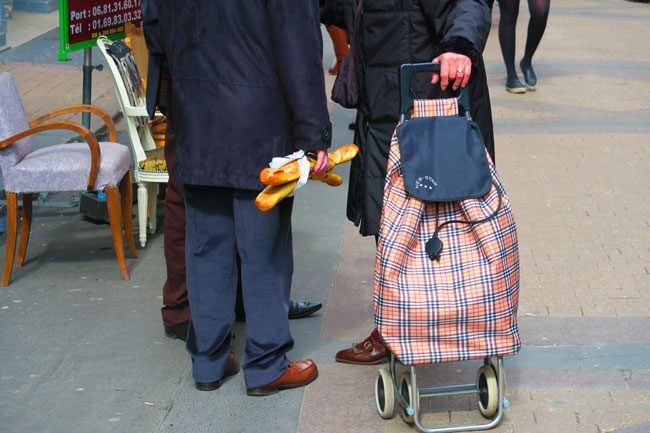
x=282, y=181
x=273, y=194
x=291, y=171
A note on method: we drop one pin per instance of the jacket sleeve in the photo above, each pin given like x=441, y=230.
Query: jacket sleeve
x=157, y=60
x=298, y=51
x=462, y=26
x=152, y=29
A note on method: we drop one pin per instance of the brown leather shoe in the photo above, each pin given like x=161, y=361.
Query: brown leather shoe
x=232, y=367
x=299, y=373
x=369, y=351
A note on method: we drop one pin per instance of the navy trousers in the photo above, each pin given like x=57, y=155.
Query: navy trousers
x=221, y=222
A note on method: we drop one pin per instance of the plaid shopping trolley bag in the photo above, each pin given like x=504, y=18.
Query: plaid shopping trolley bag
x=446, y=272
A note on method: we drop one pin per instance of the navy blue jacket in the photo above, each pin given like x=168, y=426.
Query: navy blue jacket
x=157, y=59
x=247, y=85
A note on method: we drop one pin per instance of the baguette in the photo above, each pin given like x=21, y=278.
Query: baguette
x=284, y=174
x=343, y=154
x=273, y=194
x=291, y=170
x=329, y=177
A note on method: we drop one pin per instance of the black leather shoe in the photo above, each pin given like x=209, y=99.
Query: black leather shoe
x=513, y=85
x=298, y=310
x=178, y=331
x=529, y=75
x=232, y=367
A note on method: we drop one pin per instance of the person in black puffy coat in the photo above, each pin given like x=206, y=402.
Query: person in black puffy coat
x=390, y=33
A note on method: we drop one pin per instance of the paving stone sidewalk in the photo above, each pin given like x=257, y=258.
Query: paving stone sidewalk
x=44, y=87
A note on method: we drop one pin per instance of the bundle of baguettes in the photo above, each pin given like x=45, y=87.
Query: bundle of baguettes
x=282, y=181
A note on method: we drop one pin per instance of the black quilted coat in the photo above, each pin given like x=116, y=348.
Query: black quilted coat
x=391, y=33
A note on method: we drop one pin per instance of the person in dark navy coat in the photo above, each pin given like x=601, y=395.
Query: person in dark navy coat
x=247, y=86
x=176, y=309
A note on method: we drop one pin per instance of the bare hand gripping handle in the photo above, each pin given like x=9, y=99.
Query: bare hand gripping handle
x=406, y=73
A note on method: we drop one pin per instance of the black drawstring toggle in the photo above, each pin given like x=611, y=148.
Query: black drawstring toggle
x=433, y=247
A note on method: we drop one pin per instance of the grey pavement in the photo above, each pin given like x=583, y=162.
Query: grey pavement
x=84, y=351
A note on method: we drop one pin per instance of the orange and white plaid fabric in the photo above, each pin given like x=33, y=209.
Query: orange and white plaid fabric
x=462, y=306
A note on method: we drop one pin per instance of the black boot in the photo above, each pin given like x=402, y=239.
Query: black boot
x=529, y=75
x=513, y=85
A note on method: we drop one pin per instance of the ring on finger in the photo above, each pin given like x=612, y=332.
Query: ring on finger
x=460, y=71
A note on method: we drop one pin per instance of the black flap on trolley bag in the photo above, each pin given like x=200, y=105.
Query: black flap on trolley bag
x=443, y=158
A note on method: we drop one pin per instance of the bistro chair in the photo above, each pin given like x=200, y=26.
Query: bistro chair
x=91, y=166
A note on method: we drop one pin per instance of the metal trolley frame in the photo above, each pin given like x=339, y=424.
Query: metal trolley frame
x=490, y=387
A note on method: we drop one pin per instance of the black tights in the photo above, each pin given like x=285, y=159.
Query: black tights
x=509, y=10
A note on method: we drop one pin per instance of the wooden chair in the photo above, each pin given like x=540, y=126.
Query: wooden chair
x=150, y=168
x=91, y=166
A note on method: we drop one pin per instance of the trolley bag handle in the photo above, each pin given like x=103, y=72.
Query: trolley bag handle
x=435, y=166
x=406, y=72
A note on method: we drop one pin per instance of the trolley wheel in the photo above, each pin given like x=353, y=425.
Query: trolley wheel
x=488, y=391
x=385, y=394
x=494, y=363
x=405, y=391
